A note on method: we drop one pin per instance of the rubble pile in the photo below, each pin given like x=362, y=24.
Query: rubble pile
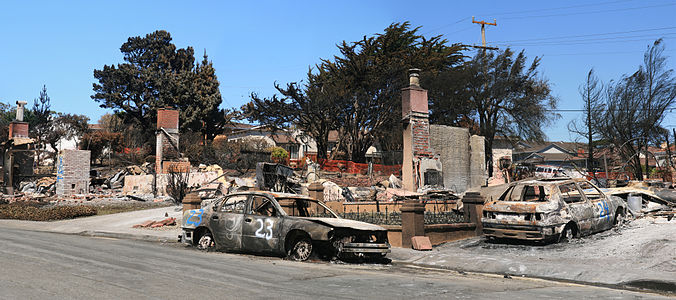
x=155, y=224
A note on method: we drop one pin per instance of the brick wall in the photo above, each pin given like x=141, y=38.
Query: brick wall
x=167, y=118
x=18, y=129
x=72, y=168
x=420, y=129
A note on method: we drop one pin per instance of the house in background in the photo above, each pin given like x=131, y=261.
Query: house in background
x=560, y=154
x=295, y=141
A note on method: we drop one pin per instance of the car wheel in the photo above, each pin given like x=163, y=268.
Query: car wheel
x=206, y=242
x=619, y=218
x=567, y=234
x=301, y=250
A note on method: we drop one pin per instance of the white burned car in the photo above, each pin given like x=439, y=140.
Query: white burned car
x=551, y=209
x=281, y=224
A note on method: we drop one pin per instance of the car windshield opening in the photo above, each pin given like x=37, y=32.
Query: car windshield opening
x=298, y=207
x=528, y=193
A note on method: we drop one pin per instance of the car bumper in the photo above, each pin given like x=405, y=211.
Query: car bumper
x=530, y=233
x=185, y=237
x=383, y=248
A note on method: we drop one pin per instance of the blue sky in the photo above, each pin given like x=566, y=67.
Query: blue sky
x=254, y=43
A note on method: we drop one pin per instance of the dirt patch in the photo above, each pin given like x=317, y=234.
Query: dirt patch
x=106, y=208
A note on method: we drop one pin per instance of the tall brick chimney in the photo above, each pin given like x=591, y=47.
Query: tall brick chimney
x=167, y=137
x=419, y=159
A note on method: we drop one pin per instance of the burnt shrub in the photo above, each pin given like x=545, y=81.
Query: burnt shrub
x=35, y=211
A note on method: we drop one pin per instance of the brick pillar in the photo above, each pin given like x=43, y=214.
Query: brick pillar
x=192, y=201
x=316, y=191
x=473, y=208
x=412, y=221
x=415, y=119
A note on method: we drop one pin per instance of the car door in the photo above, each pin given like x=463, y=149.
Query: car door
x=602, y=211
x=579, y=207
x=261, y=226
x=226, y=222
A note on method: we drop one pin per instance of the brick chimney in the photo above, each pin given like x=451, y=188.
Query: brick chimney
x=167, y=137
x=18, y=128
x=419, y=159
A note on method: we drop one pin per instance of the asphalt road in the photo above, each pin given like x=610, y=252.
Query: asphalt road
x=38, y=265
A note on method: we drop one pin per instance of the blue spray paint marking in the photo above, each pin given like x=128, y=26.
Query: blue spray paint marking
x=59, y=169
x=604, y=212
x=192, y=214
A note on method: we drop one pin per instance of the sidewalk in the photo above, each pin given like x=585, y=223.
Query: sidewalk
x=113, y=225
x=640, y=254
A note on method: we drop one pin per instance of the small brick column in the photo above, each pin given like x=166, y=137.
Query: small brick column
x=412, y=221
x=473, y=208
x=316, y=191
x=191, y=201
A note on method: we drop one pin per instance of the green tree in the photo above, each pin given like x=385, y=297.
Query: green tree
x=636, y=106
x=357, y=92
x=592, y=93
x=156, y=75
x=40, y=118
x=506, y=96
x=98, y=141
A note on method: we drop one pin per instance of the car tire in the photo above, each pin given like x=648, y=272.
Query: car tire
x=619, y=218
x=206, y=242
x=301, y=249
x=567, y=234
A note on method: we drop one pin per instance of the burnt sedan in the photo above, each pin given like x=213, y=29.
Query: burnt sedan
x=551, y=209
x=281, y=224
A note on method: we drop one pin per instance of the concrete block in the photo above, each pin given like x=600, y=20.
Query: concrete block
x=421, y=243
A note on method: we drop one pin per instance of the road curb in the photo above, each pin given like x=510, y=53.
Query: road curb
x=129, y=236
x=667, y=288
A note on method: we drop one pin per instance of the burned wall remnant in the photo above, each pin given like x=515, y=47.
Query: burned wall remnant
x=72, y=172
x=477, y=167
x=419, y=157
x=166, y=147
x=462, y=156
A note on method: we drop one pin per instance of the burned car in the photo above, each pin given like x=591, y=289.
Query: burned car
x=550, y=210
x=281, y=224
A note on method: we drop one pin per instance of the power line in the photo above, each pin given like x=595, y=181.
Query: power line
x=444, y=26
x=593, y=12
x=594, y=41
x=576, y=43
x=587, y=35
x=558, y=8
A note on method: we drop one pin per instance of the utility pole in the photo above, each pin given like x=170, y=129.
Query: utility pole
x=483, y=32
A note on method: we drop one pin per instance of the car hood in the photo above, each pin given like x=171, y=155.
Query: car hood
x=346, y=223
x=521, y=207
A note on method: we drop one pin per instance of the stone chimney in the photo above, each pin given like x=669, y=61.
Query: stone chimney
x=19, y=110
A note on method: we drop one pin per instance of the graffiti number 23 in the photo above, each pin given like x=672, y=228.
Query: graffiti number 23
x=266, y=232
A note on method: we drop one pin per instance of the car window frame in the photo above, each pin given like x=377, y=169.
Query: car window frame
x=221, y=204
x=583, y=198
x=249, y=207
